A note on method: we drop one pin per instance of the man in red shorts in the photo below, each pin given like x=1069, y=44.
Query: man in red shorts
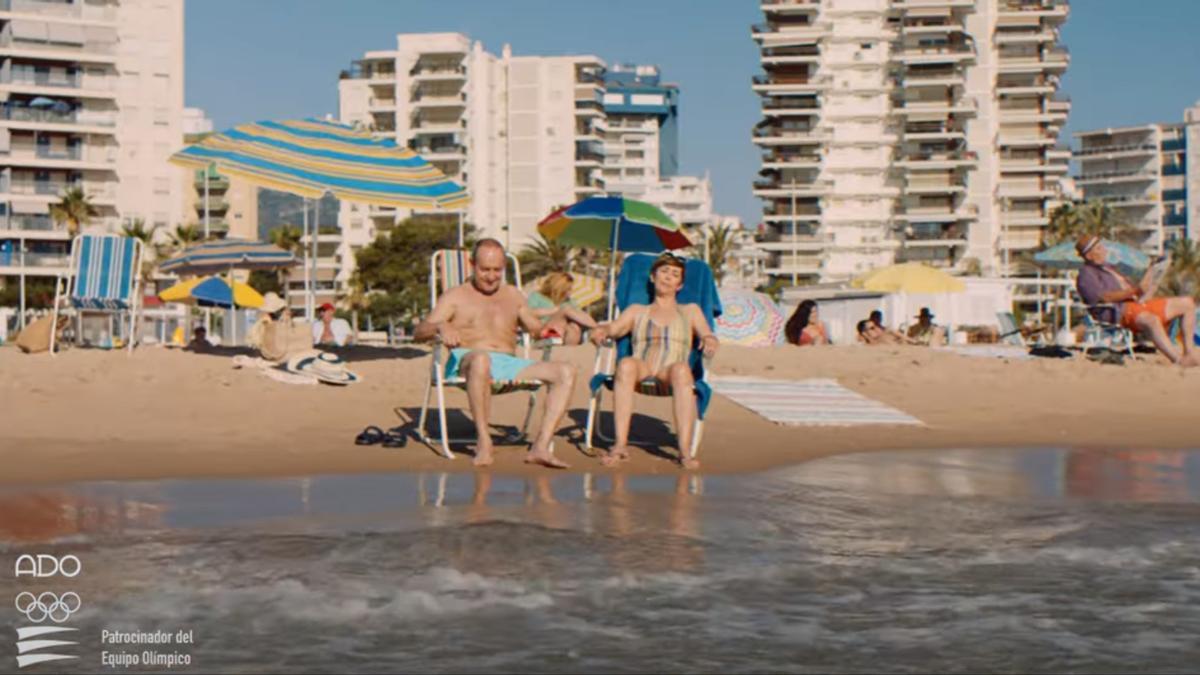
x=1130, y=305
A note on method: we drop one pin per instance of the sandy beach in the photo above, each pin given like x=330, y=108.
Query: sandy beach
x=163, y=413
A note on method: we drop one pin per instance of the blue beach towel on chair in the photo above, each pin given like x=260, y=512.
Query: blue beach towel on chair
x=699, y=288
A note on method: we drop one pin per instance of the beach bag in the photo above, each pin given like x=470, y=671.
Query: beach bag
x=35, y=338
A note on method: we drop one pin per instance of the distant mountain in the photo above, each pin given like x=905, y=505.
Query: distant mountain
x=279, y=208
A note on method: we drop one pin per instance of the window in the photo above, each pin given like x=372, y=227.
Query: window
x=162, y=117
x=162, y=185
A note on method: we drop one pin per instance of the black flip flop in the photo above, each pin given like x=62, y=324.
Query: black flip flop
x=370, y=436
x=394, y=438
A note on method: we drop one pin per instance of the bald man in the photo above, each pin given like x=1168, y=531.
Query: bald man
x=478, y=322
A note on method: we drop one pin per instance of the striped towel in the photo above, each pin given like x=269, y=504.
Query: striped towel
x=808, y=402
x=106, y=275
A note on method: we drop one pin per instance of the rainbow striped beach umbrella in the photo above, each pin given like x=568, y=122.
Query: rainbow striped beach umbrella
x=312, y=158
x=614, y=224
x=750, y=319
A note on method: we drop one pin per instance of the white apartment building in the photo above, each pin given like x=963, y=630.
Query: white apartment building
x=1148, y=174
x=92, y=98
x=899, y=130
x=523, y=133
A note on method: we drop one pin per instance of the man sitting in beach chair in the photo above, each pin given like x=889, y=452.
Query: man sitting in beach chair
x=478, y=322
x=660, y=358
x=1114, y=299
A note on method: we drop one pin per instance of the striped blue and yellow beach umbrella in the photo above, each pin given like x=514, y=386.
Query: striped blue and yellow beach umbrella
x=226, y=254
x=312, y=158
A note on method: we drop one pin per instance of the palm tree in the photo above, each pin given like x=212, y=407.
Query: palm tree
x=184, y=236
x=1183, y=276
x=720, y=244
x=154, y=251
x=75, y=209
x=288, y=238
x=543, y=256
x=1071, y=221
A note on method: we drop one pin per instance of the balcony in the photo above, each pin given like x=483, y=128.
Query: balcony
x=774, y=135
x=438, y=126
x=447, y=152
x=216, y=183
x=1025, y=189
x=1055, y=59
x=589, y=108
x=215, y=205
x=789, y=6
x=1024, y=218
x=441, y=101
x=43, y=260
x=1132, y=175
x=931, y=4
x=36, y=223
x=781, y=33
x=948, y=185
x=43, y=9
x=49, y=188
x=934, y=54
x=1127, y=149
x=73, y=118
x=1022, y=11
x=381, y=103
x=427, y=73
x=779, y=242
x=785, y=160
x=964, y=106
x=1023, y=140
x=934, y=214
x=87, y=52
x=937, y=160
x=770, y=188
x=789, y=83
x=588, y=157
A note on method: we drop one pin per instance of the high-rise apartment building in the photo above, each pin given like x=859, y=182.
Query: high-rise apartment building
x=898, y=130
x=92, y=98
x=1148, y=174
x=523, y=133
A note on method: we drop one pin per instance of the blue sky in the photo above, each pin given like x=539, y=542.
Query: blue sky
x=1131, y=62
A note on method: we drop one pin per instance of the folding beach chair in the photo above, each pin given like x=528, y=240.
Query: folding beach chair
x=633, y=288
x=1099, y=333
x=447, y=269
x=104, y=276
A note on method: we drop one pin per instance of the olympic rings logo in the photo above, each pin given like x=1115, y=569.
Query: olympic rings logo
x=37, y=609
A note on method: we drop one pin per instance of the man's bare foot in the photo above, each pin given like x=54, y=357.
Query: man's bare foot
x=483, y=453
x=616, y=455
x=689, y=463
x=1189, y=361
x=545, y=457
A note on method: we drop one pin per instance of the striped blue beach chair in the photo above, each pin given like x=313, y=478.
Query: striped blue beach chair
x=104, y=276
x=447, y=269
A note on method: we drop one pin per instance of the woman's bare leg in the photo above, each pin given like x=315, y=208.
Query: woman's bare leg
x=684, y=399
x=630, y=371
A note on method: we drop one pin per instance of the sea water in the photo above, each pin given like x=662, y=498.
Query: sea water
x=1000, y=560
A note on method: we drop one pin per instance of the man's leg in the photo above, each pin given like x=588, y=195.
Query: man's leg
x=1184, y=309
x=560, y=381
x=1149, y=324
x=476, y=368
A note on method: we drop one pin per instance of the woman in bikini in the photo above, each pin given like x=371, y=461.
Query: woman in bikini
x=662, y=334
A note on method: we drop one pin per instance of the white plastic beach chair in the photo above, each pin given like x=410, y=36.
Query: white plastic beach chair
x=449, y=268
x=104, y=276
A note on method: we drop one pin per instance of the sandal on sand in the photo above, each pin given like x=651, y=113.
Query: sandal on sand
x=370, y=436
x=395, y=438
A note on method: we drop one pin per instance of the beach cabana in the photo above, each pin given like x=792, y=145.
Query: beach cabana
x=312, y=158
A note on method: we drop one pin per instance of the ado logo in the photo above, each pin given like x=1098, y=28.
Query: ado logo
x=43, y=565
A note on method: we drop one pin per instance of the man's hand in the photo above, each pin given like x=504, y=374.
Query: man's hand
x=448, y=335
x=599, y=334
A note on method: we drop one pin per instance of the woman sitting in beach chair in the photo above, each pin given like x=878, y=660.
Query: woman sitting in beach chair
x=552, y=303
x=662, y=335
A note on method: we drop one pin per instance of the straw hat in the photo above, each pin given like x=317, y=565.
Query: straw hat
x=324, y=366
x=271, y=303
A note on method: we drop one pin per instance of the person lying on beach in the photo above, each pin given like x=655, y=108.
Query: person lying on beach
x=1113, y=298
x=478, y=323
x=925, y=332
x=662, y=335
x=873, y=334
x=552, y=303
x=331, y=331
x=805, y=327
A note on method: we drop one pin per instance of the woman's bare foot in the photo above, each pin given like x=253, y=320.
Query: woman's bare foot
x=616, y=455
x=689, y=463
x=483, y=453
x=545, y=457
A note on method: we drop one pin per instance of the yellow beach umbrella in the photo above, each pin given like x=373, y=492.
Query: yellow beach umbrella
x=909, y=278
x=212, y=292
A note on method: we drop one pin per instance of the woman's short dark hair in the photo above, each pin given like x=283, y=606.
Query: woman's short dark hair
x=799, y=321
x=672, y=260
